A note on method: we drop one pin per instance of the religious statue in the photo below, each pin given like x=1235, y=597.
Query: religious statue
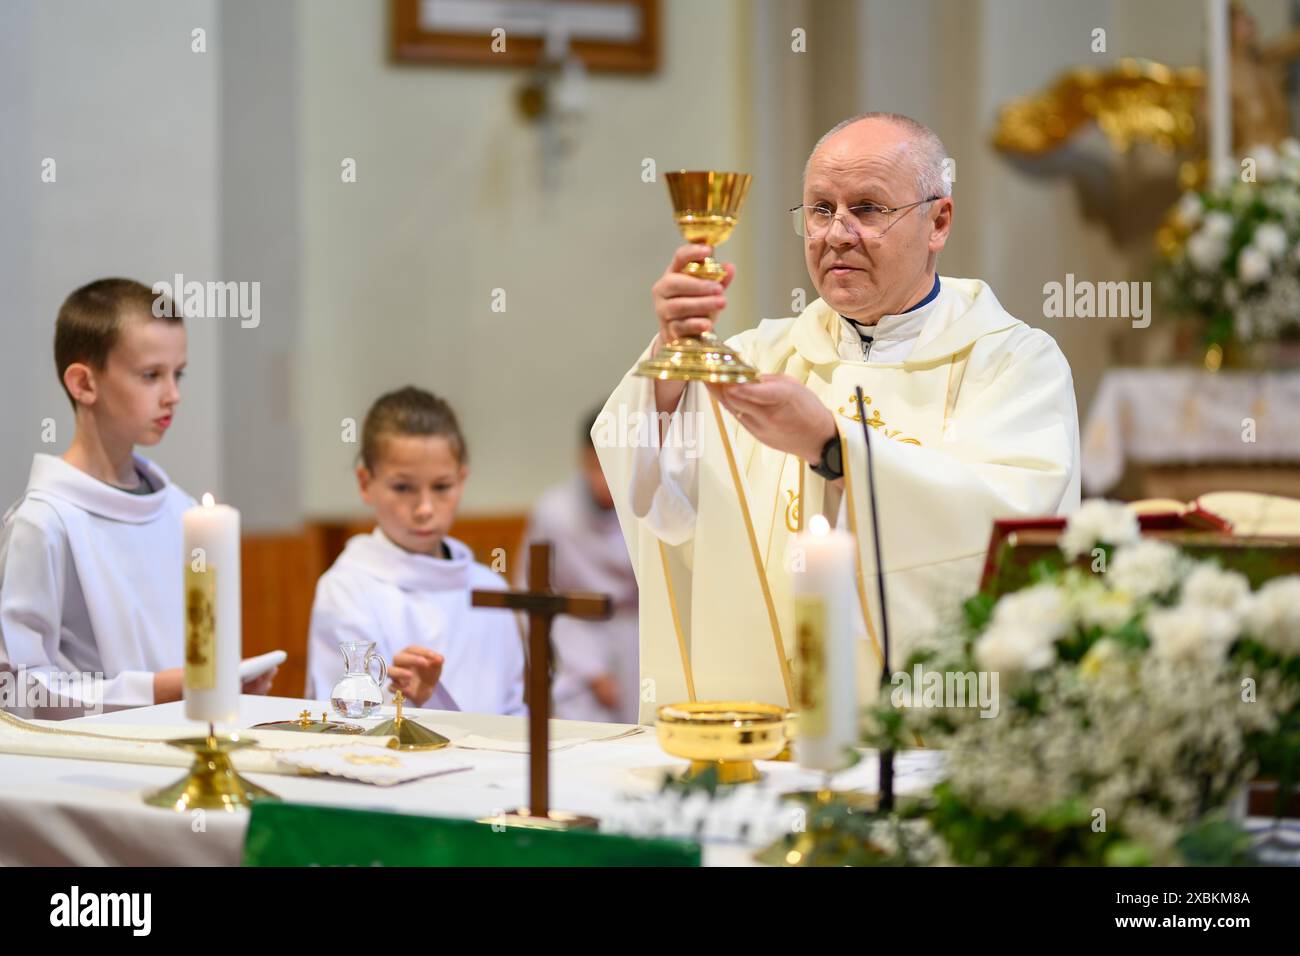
x=1260, y=111
x=1132, y=138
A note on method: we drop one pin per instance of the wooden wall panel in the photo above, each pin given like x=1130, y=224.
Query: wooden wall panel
x=279, y=582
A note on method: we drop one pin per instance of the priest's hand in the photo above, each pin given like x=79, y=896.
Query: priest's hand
x=782, y=413
x=415, y=671
x=685, y=305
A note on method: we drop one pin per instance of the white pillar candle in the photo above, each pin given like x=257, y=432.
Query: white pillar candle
x=212, y=612
x=1218, y=91
x=827, y=698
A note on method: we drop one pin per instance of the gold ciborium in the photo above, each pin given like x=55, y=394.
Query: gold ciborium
x=706, y=206
x=725, y=735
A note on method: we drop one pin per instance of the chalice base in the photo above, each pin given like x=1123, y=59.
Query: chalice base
x=702, y=358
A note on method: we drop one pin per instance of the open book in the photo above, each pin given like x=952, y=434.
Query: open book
x=1247, y=513
x=1228, y=524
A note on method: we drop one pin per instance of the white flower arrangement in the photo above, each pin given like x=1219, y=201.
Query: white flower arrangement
x=1156, y=744
x=1210, y=587
x=1098, y=522
x=1012, y=649
x=1122, y=690
x=1273, y=617
x=1226, y=246
x=1197, y=635
x=1147, y=569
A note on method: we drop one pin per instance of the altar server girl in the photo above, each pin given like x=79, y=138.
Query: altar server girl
x=406, y=585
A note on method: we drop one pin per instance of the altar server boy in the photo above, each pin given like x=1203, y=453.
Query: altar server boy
x=91, y=555
x=406, y=585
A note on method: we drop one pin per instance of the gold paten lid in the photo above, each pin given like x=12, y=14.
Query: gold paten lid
x=703, y=359
x=305, y=724
x=406, y=733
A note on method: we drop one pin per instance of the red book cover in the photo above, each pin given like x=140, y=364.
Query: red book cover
x=1191, y=517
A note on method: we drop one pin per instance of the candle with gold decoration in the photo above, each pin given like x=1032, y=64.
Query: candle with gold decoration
x=212, y=612
x=822, y=563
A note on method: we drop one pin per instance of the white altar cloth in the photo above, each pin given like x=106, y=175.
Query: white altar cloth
x=57, y=811
x=1170, y=416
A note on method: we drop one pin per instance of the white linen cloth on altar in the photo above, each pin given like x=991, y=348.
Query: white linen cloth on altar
x=75, y=812
x=1188, y=415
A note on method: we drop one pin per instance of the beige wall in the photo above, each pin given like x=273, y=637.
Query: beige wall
x=1011, y=229
x=233, y=173
x=399, y=268
x=128, y=114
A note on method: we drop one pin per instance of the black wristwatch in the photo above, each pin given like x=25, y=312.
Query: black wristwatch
x=831, y=466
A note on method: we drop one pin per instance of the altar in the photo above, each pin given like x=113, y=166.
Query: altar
x=1181, y=432
x=59, y=811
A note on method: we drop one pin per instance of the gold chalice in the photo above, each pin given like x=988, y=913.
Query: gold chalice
x=706, y=206
x=725, y=735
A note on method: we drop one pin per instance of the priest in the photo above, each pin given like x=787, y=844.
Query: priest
x=971, y=415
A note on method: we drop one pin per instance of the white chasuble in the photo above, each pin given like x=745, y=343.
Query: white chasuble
x=91, y=581
x=377, y=591
x=977, y=422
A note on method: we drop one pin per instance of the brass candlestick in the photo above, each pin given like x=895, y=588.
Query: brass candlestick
x=212, y=782
x=706, y=206
x=817, y=843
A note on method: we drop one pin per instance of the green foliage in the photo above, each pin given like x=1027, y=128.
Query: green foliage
x=840, y=832
x=1061, y=835
x=685, y=785
x=1216, y=842
x=978, y=611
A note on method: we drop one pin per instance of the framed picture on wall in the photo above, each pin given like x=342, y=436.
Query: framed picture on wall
x=613, y=35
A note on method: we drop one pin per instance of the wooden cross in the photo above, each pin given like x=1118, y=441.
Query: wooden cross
x=542, y=604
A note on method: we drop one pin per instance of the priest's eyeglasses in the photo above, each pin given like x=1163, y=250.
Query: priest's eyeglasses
x=866, y=221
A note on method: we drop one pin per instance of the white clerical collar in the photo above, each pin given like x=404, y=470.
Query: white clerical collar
x=378, y=556
x=56, y=478
x=897, y=328
x=893, y=337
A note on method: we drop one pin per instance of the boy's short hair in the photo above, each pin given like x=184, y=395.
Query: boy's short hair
x=90, y=321
x=410, y=411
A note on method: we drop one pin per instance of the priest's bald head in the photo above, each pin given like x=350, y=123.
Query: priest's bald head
x=876, y=212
